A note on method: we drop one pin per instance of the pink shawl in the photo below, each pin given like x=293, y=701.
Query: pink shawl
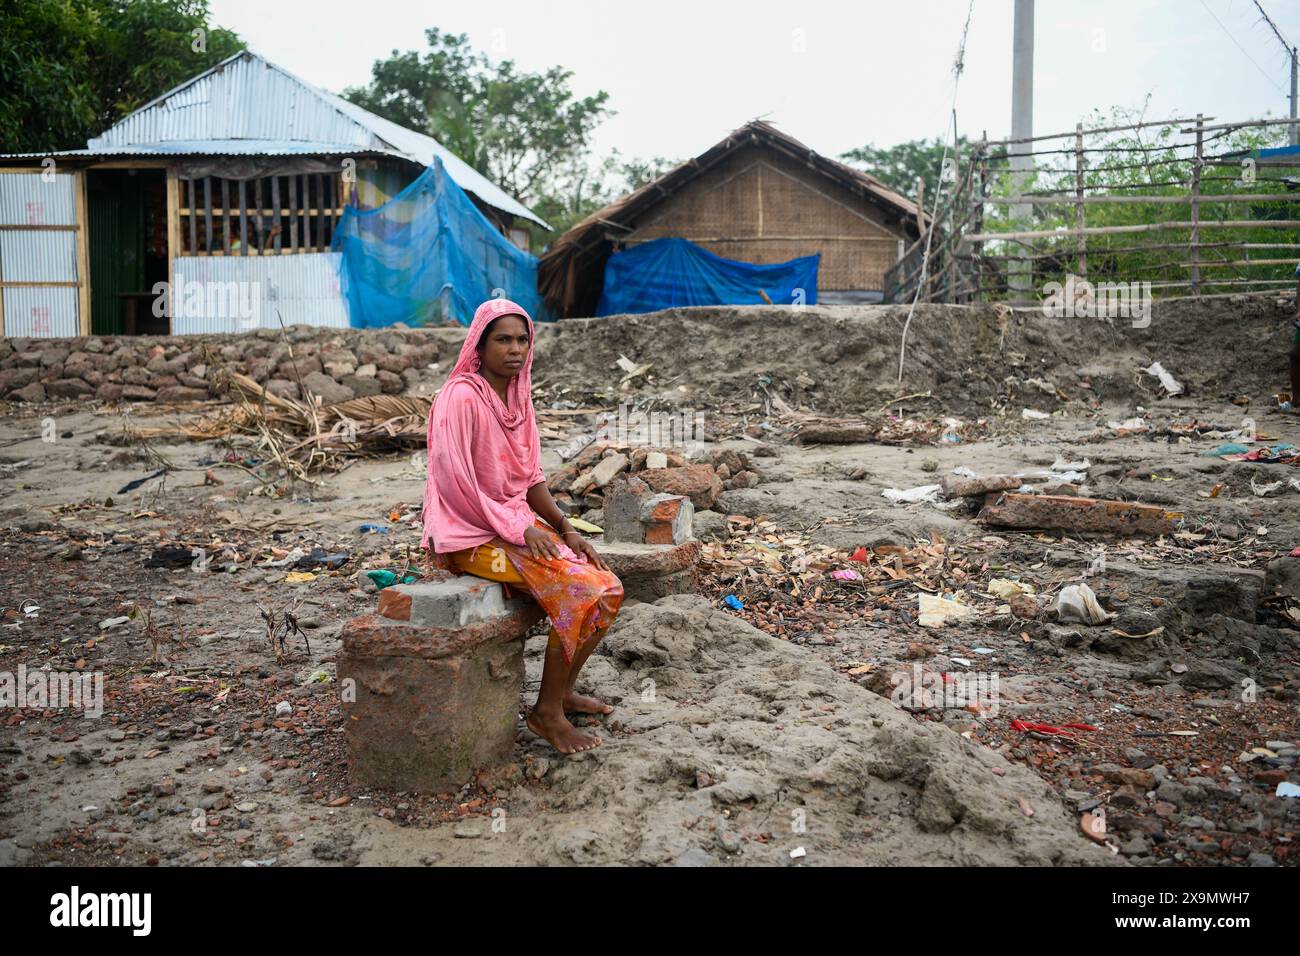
x=483, y=455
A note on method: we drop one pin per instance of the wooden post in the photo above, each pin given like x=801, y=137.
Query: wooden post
x=949, y=240
x=977, y=215
x=207, y=213
x=293, y=212
x=173, y=240
x=275, y=210
x=1079, y=206
x=225, y=217
x=1194, y=245
x=257, y=215
x=193, y=217
x=83, y=252
x=243, y=217
x=920, y=247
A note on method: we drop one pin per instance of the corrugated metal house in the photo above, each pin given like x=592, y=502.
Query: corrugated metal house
x=227, y=188
x=758, y=196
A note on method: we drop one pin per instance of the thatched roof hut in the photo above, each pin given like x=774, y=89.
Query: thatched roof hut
x=758, y=196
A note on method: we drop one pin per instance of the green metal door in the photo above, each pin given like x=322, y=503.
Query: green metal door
x=116, y=201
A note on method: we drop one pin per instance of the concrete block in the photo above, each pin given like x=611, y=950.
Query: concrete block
x=428, y=704
x=651, y=571
x=458, y=602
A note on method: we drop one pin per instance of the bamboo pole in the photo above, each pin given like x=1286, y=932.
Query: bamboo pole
x=1143, y=227
x=1080, y=225
x=1195, y=239
x=1072, y=200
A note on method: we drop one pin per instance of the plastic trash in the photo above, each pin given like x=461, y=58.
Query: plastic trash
x=1033, y=414
x=171, y=558
x=1062, y=465
x=384, y=579
x=1171, y=385
x=846, y=574
x=1005, y=588
x=1227, y=448
x=1130, y=426
x=1285, y=789
x=733, y=602
x=937, y=611
x=1265, y=489
x=369, y=528
x=920, y=493
x=1078, y=603
x=320, y=558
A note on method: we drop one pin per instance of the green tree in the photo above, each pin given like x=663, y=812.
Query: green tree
x=70, y=68
x=521, y=130
x=899, y=167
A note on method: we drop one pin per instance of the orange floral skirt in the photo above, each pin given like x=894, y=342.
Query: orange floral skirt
x=580, y=599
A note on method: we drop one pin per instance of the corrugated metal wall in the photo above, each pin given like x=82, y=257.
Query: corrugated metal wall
x=238, y=293
x=39, y=255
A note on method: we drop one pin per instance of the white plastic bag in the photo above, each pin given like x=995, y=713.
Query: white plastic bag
x=1079, y=603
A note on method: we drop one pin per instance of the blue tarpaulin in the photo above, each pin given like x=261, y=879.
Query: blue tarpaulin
x=665, y=273
x=428, y=255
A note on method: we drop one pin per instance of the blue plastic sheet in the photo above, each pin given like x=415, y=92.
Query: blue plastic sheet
x=666, y=273
x=428, y=255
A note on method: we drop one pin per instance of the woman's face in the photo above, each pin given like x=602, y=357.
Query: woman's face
x=505, y=346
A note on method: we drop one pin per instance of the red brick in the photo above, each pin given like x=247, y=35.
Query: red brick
x=394, y=605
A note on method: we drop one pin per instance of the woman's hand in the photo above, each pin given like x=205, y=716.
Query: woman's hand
x=584, y=546
x=540, y=546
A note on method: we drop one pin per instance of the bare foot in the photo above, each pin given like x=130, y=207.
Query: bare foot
x=578, y=704
x=559, y=733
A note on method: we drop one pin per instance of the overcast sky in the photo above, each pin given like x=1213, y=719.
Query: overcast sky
x=833, y=74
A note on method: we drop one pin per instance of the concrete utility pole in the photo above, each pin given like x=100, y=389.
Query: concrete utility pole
x=1294, y=138
x=1019, y=272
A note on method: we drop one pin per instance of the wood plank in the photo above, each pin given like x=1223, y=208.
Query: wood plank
x=173, y=238
x=243, y=217
x=207, y=212
x=225, y=217
x=306, y=218
x=193, y=219
x=275, y=206
x=293, y=213
x=83, y=252
x=257, y=215
x=319, y=213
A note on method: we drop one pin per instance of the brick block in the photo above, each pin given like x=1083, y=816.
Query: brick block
x=954, y=487
x=1077, y=514
x=429, y=705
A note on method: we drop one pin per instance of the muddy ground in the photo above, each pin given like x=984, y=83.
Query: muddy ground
x=767, y=735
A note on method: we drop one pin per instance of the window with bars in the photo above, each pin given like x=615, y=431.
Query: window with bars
x=274, y=215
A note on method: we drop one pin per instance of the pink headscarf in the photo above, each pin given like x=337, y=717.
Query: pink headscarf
x=483, y=455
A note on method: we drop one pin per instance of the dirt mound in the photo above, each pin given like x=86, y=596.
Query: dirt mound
x=843, y=360
x=733, y=747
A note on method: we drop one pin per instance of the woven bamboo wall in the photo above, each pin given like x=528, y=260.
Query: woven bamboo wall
x=762, y=206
